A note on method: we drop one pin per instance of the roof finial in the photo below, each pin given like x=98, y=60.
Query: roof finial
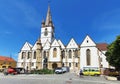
x=48, y=17
x=49, y=2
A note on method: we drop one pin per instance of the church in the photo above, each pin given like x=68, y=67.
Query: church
x=49, y=52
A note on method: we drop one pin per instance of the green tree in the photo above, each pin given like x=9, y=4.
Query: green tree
x=113, y=53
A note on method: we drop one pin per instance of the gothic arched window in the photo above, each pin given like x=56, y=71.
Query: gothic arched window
x=54, y=52
x=76, y=64
x=88, y=57
x=29, y=55
x=63, y=54
x=44, y=54
x=34, y=55
x=76, y=53
x=23, y=55
x=70, y=54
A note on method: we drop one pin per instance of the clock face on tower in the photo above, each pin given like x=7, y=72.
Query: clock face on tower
x=46, y=32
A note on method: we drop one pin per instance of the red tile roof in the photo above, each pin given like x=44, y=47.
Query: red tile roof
x=4, y=58
x=102, y=46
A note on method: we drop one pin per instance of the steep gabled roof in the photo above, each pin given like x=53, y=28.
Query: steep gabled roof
x=46, y=45
x=72, y=44
x=4, y=58
x=61, y=44
x=55, y=43
x=102, y=46
x=88, y=42
x=27, y=46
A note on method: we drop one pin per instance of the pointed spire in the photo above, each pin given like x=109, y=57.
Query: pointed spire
x=48, y=21
x=39, y=44
x=38, y=41
x=43, y=23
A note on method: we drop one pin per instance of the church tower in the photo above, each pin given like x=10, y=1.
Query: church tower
x=47, y=29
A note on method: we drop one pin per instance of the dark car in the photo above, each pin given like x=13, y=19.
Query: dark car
x=20, y=70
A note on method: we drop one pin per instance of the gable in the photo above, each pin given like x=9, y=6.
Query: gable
x=35, y=46
x=55, y=43
x=72, y=44
x=88, y=42
x=47, y=45
x=27, y=46
x=61, y=44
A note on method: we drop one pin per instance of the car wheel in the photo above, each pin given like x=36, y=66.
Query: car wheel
x=57, y=72
x=96, y=75
x=5, y=73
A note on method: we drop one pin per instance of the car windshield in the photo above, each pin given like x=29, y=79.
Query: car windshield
x=58, y=68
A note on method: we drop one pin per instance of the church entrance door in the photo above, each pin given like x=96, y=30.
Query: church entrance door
x=54, y=65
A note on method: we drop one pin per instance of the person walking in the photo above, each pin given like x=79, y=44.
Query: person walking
x=81, y=73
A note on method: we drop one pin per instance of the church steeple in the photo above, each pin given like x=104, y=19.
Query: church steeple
x=48, y=17
x=47, y=28
x=48, y=21
x=43, y=23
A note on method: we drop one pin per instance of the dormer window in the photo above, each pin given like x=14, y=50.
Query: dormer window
x=87, y=41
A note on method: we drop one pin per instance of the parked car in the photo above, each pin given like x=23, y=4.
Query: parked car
x=13, y=71
x=93, y=71
x=65, y=69
x=58, y=70
x=20, y=70
x=9, y=71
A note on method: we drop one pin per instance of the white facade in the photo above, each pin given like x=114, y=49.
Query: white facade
x=46, y=35
x=75, y=56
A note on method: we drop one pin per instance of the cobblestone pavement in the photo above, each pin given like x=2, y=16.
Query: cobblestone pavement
x=67, y=78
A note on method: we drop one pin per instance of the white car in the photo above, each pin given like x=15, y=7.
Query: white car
x=58, y=70
x=65, y=69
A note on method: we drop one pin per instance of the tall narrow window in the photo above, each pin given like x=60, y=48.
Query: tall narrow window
x=54, y=52
x=23, y=55
x=44, y=54
x=88, y=56
x=76, y=53
x=70, y=54
x=76, y=64
x=29, y=55
x=69, y=64
x=34, y=55
x=63, y=54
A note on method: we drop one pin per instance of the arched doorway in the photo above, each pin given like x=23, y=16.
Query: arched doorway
x=54, y=65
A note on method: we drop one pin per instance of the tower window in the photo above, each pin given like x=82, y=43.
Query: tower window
x=46, y=32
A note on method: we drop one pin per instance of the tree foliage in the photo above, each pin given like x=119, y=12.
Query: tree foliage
x=113, y=53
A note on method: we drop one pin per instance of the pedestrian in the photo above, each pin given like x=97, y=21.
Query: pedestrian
x=81, y=73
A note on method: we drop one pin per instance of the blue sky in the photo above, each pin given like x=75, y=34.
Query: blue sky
x=20, y=21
